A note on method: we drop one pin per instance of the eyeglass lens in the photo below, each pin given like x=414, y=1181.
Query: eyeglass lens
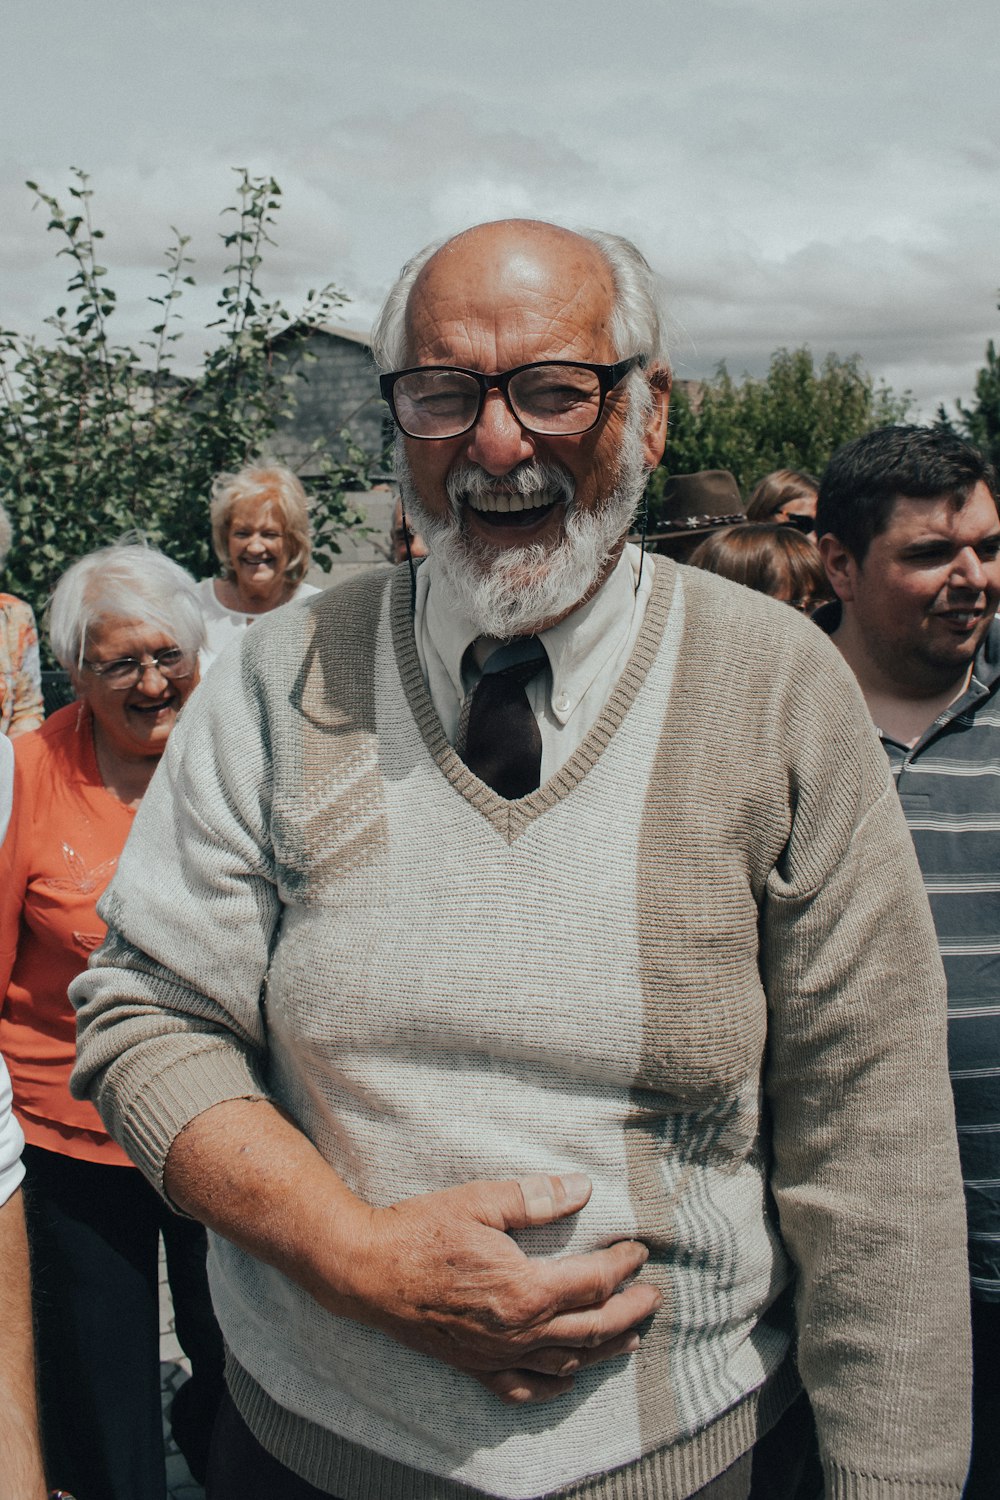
x=125, y=670
x=546, y=398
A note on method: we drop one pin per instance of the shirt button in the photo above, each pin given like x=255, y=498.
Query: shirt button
x=561, y=704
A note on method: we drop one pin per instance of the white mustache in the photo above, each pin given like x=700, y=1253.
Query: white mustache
x=530, y=485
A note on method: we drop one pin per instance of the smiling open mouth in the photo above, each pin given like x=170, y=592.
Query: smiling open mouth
x=494, y=508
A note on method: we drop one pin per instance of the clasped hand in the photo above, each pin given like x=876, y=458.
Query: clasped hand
x=440, y=1274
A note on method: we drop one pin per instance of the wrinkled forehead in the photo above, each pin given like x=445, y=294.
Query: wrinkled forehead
x=495, y=298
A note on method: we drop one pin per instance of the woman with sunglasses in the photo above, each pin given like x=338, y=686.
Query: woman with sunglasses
x=788, y=497
x=769, y=557
x=126, y=624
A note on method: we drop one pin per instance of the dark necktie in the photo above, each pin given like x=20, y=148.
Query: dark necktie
x=499, y=738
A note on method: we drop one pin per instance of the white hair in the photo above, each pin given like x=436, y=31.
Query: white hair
x=128, y=581
x=6, y=535
x=638, y=320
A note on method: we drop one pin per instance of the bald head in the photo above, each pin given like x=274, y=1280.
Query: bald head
x=508, y=253
x=494, y=269
x=502, y=290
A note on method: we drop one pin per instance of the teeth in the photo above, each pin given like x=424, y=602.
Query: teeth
x=503, y=503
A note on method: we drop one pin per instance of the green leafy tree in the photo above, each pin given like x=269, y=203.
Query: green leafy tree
x=980, y=422
x=98, y=439
x=793, y=418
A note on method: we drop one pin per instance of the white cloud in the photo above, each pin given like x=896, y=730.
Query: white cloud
x=824, y=174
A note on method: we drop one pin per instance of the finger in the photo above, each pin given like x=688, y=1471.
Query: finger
x=590, y=1279
x=518, y=1387
x=589, y=1327
x=562, y=1361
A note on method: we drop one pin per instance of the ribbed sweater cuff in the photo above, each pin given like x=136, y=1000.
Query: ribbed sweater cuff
x=844, y=1484
x=166, y=1100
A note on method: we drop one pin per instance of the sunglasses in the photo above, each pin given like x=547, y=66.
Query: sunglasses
x=804, y=524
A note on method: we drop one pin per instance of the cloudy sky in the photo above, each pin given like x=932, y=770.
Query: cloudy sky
x=799, y=171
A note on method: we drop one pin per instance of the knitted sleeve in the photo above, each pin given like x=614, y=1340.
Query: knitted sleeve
x=170, y=1015
x=865, y=1169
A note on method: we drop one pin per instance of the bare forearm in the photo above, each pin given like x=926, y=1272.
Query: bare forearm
x=244, y=1169
x=438, y=1272
x=21, y=1476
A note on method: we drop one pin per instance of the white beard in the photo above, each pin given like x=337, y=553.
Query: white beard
x=515, y=591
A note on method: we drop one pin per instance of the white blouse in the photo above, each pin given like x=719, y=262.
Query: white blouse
x=223, y=625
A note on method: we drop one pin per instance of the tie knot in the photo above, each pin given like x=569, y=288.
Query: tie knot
x=520, y=659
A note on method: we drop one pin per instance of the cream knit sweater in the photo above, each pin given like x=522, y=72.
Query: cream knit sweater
x=697, y=964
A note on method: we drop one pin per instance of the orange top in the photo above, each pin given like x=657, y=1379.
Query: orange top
x=66, y=833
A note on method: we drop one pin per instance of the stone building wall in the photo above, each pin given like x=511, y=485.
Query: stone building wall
x=339, y=389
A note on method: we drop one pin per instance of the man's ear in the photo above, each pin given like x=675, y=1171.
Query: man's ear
x=841, y=566
x=655, y=435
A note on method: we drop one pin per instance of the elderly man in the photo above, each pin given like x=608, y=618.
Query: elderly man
x=912, y=548
x=517, y=998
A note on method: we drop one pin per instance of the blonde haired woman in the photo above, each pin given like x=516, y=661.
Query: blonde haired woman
x=260, y=532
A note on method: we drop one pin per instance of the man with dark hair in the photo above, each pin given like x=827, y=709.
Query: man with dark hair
x=517, y=995
x=910, y=535
x=866, y=477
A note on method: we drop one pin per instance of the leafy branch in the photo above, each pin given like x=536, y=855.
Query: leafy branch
x=93, y=442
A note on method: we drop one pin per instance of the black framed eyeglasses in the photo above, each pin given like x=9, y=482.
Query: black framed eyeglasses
x=553, y=398
x=125, y=671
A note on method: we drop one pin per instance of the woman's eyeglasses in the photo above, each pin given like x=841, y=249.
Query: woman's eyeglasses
x=125, y=671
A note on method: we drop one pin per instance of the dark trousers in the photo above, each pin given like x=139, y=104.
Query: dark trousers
x=93, y=1232
x=983, y=1482
x=781, y=1464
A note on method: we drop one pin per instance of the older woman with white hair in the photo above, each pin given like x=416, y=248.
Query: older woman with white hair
x=260, y=532
x=20, y=668
x=126, y=624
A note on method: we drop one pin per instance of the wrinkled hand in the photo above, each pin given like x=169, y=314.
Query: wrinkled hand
x=440, y=1274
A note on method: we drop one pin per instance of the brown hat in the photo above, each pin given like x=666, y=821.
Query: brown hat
x=695, y=504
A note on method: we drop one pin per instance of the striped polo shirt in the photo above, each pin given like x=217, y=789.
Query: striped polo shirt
x=949, y=786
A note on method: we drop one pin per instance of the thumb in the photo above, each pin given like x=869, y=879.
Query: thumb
x=520, y=1202
x=539, y=1198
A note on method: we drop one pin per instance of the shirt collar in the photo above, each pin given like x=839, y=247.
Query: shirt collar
x=578, y=647
x=581, y=646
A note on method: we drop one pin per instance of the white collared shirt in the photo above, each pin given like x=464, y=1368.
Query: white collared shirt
x=587, y=653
